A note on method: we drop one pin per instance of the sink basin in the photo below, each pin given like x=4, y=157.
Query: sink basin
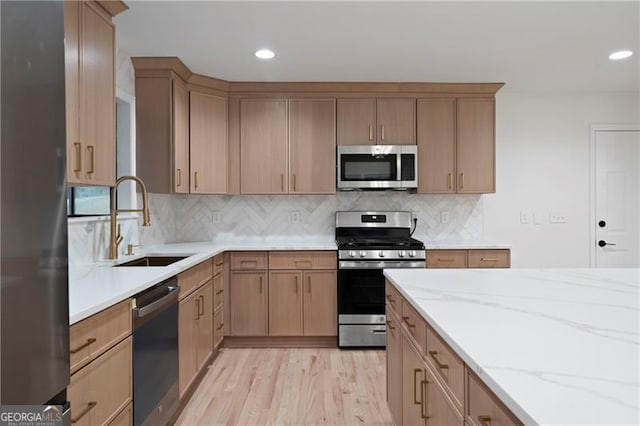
x=154, y=261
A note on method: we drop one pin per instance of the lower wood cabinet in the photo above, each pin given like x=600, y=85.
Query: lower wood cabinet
x=125, y=418
x=195, y=334
x=248, y=299
x=320, y=304
x=99, y=391
x=490, y=258
x=394, y=367
x=285, y=303
x=483, y=408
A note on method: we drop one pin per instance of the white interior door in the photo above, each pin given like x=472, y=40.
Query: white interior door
x=617, y=199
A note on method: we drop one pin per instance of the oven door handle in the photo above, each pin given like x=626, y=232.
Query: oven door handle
x=351, y=264
x=169, y=298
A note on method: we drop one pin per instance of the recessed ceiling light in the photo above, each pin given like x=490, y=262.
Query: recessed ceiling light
x=264, y=54
x=620, y=54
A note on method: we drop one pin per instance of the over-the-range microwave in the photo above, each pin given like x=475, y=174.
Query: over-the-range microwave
x=377, y=167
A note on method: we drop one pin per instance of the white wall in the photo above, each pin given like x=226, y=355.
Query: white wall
x=542, y=162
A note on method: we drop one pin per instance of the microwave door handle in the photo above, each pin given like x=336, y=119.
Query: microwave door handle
x=399, y=166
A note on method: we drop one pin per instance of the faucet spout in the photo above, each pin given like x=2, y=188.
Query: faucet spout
x=116, y=238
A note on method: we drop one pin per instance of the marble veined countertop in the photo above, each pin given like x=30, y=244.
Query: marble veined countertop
x=557, y=346
x=96, y=287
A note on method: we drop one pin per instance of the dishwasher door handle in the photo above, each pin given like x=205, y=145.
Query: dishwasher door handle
x=169, y=298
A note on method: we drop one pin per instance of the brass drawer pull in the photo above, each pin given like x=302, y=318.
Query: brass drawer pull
x=93, y=159
x=434, y=355
x=90, y=406
x=389, y=325
x=220, y=326
x=78, y=147
x=296, y=262
x=249, y=262
x=220, y=291
x=415, y=396
x=294, y=182
x=406, y=320
x=195, y=180
x=84, y=345
x=488, y=259
x=179, y=179
x=281, y=182
x=201, y=304
x=445, y=260
x=391, y=299
x=424, y=398
x=484, y=420
x=220, y=264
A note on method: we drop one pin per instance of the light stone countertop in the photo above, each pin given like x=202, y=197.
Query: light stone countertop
x=557, y=346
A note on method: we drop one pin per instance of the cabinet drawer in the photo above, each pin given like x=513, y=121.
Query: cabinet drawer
x=414, y=324
x=302, y=260
x=393, y=298
x=100, y=390
x=194, y=277
x=489, y=259
x=446, y=258
x=248, y=260
x=447, y=365
x=218, y=291
x=218, y=327
x=218, y=264
x=125, y=418
x=91, y=337
x=483, y=407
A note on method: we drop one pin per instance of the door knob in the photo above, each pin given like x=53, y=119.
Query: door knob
x=602, y=224
x=603, y=243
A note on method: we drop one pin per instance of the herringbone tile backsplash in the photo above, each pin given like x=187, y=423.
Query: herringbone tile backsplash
x=211, y=217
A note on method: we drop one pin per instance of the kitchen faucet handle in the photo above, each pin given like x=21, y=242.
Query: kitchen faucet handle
x=130, y=249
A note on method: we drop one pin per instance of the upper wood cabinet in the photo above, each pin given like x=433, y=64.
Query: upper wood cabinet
x=456, y=146
x=312, y=146
x=180, y=137
x=475, y=150
x=263, y=146
x=208, y=148
x=90, y=94
x=376, y=121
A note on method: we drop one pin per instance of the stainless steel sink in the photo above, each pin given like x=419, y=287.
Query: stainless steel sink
x=154, y=261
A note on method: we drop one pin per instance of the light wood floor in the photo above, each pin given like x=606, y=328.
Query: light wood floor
x=291, y=387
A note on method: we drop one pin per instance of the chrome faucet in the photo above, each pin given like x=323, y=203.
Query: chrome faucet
x=116, y=237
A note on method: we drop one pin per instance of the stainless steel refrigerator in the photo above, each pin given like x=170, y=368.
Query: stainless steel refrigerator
x=34, y=361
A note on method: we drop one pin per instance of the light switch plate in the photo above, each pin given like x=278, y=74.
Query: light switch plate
x=217, y=217
x=558, y=216
x=525, y=217
x=538, y=218
x=294, y=216
x=444, y=217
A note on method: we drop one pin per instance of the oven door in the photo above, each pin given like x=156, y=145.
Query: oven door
x=360, y=296
x=369, y=166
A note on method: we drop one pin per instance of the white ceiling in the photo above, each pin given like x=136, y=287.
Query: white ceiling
x=527, y=45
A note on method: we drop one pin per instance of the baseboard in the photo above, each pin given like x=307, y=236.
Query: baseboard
x=281, y=342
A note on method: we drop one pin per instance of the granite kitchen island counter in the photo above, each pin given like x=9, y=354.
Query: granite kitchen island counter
x=557, y=346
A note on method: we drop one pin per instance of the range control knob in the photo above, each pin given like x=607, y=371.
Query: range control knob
x=363, y=253
x=401, y=253
x=412, y=253
x=352, y=253
x=381, y=254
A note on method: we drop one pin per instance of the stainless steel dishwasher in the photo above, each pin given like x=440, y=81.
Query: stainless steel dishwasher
x=155, y=354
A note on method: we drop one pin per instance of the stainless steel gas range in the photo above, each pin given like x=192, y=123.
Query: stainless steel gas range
x=369, y=242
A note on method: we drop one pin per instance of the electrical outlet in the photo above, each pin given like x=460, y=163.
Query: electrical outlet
x=444, y=217
x=217, y=217
x=538, y=218
x=558, y=216
x=525, y=218
x=294, y=216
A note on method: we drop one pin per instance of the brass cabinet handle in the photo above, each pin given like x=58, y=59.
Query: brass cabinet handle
x=370, y=132
x=197, y=300
x=488, y=259
x=260, y=283
x=220, y=291
x=92, y=155
x=406, y=320
x=84, y=345
x=78, y=147
x=309, y=284
x=389, y=325
x=484, y=420
x=434, y=355
x=179, y=177
x=450, y=178
x=201, y=305
x=423, y=397
x=461, y=180
x=195, y=180
x=281, y=182
x=445, y=260
x=84, y=412
x=310, y=263
x=415, y=396
x=220, y=326
x=294, y=182
x=390, y=298
x=297, y=284
x=382, y=132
